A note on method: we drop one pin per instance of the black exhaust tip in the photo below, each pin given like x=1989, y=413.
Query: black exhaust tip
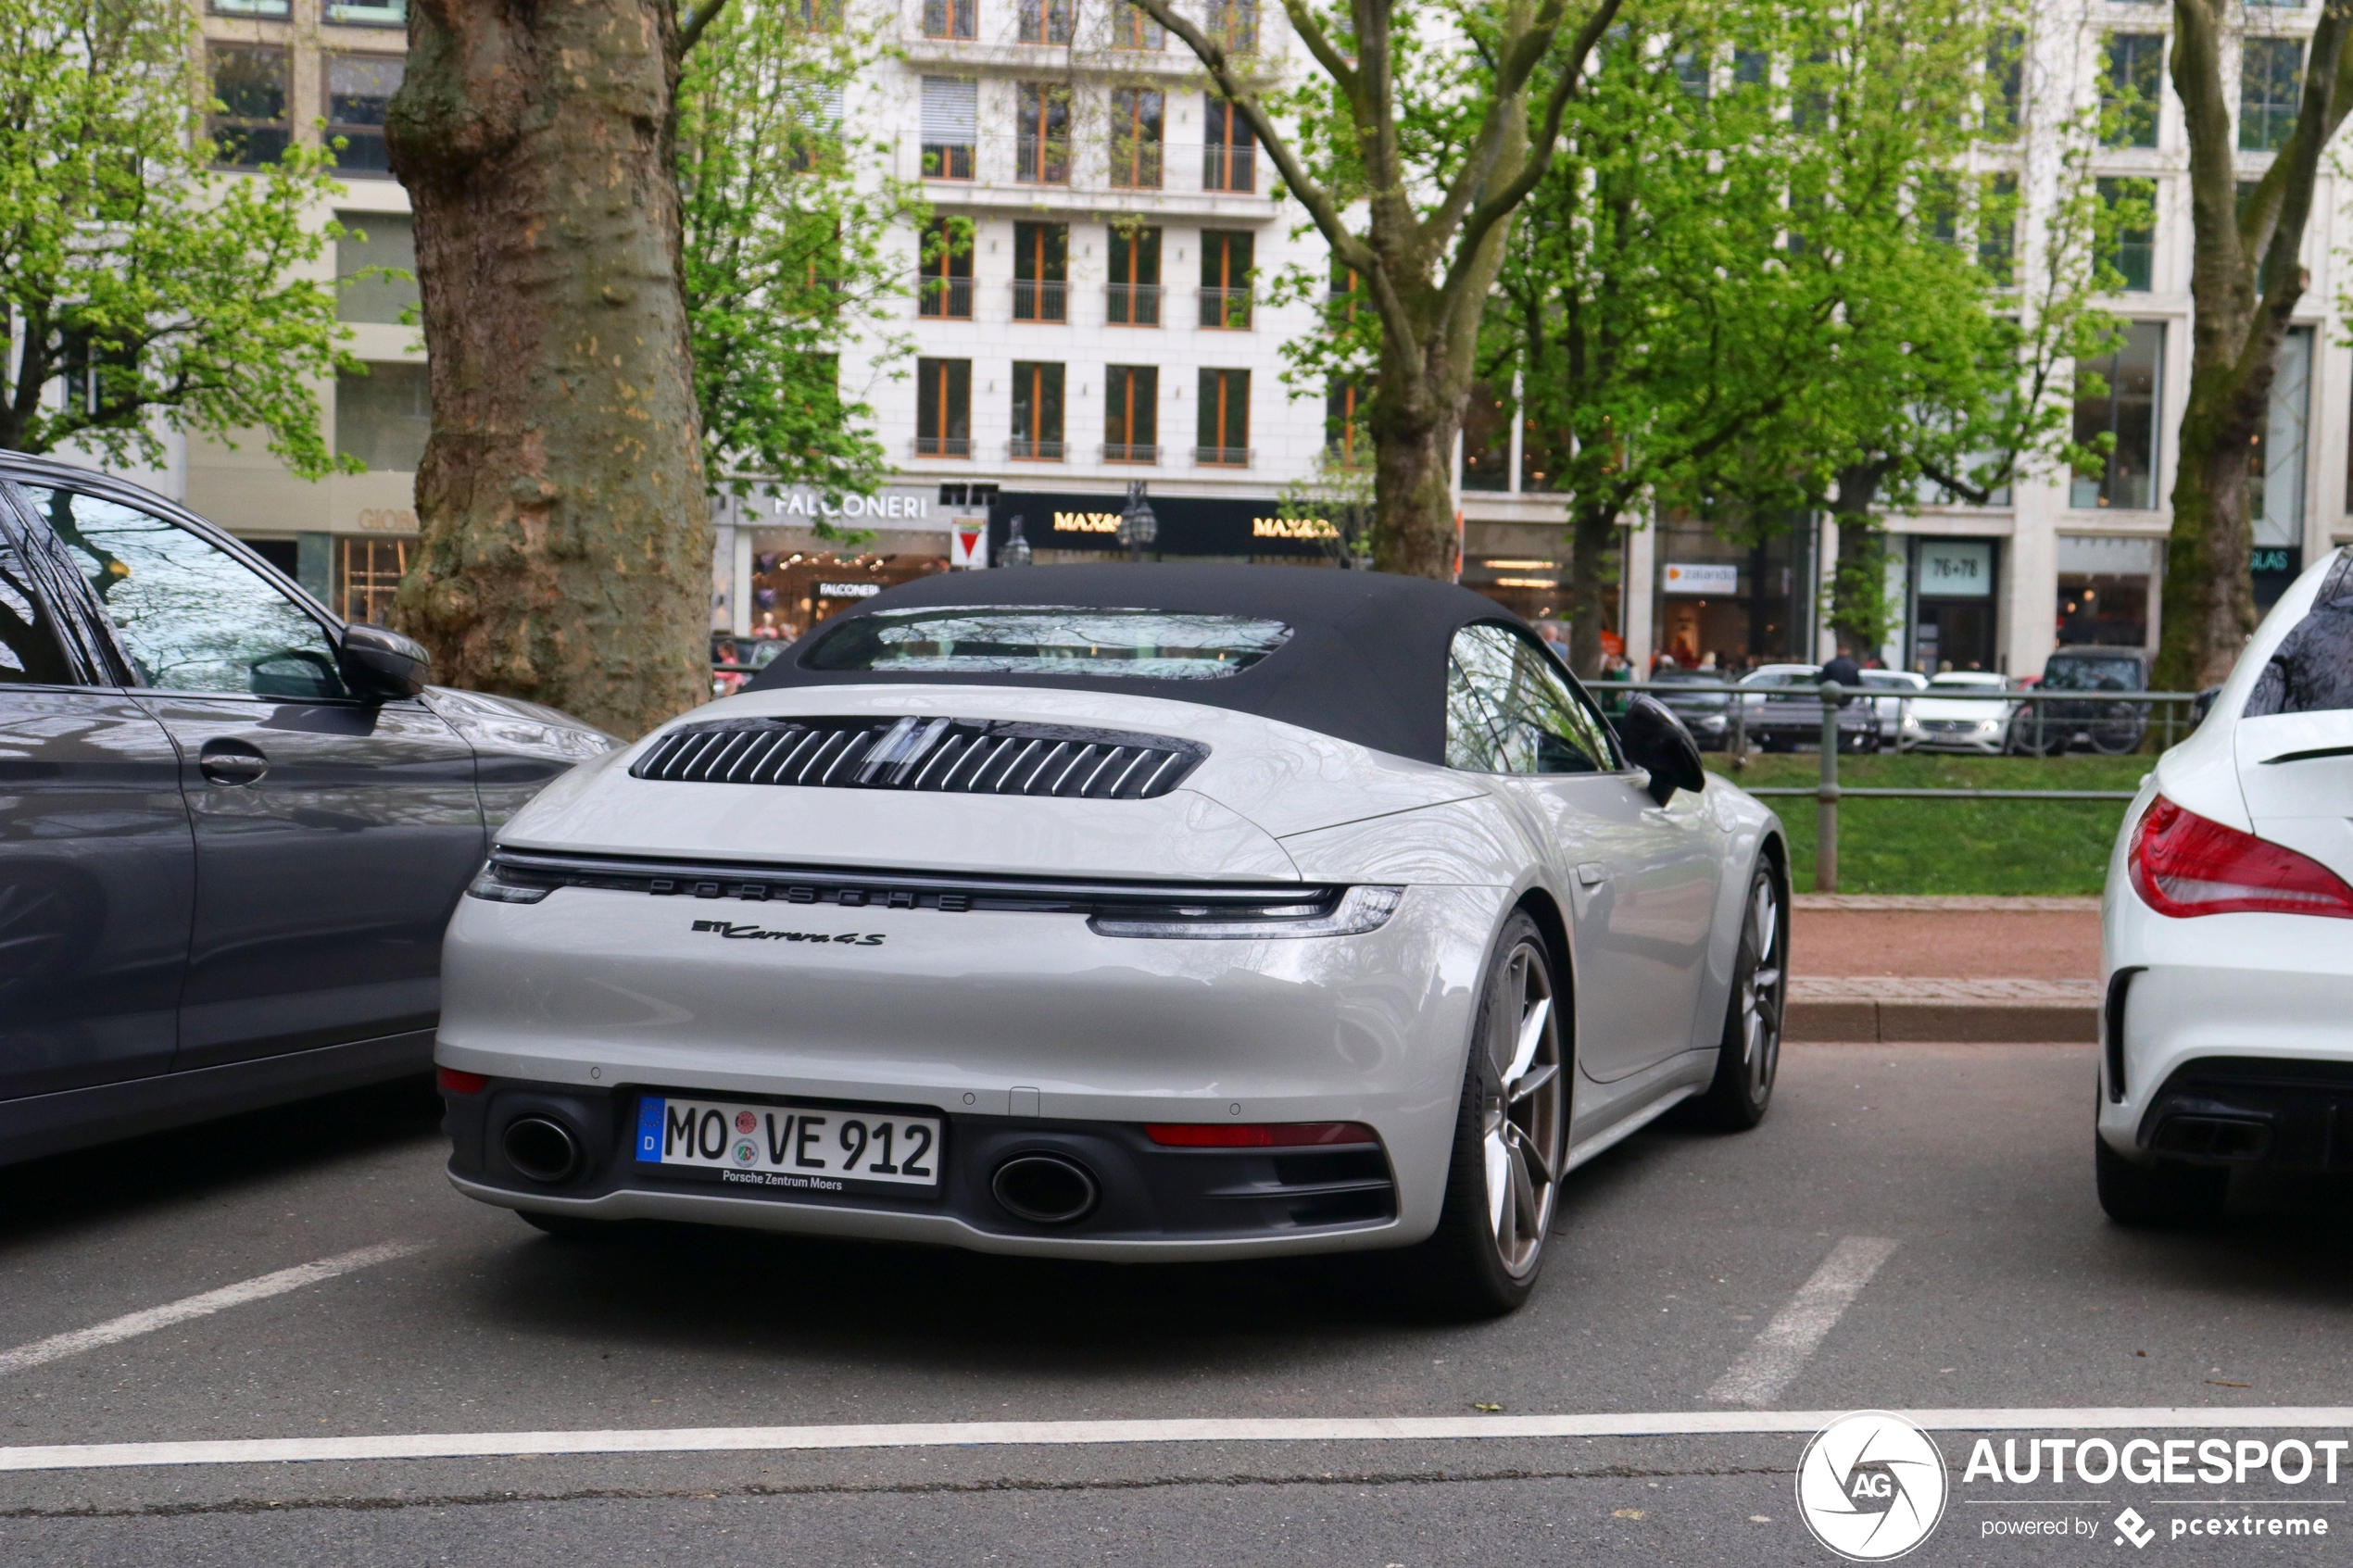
x=542, y=1148
x=1045, y=1189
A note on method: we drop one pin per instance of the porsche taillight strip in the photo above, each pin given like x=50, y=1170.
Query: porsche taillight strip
x=933, y=756
x=856, y=886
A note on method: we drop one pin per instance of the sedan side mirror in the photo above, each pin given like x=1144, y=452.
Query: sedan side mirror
x=377, y=663
x=1655, y=741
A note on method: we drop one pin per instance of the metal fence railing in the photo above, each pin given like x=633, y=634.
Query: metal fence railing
x=2033, y=722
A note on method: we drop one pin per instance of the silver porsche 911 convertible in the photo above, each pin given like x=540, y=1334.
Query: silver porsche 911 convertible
x=1123, y=912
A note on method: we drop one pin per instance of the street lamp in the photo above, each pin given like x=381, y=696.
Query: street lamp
x=1016, y=550
x=1137, y=526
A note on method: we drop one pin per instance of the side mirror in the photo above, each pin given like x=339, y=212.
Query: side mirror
x=377, y=663
x=1655, y=741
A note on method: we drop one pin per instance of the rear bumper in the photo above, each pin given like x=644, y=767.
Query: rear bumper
x=1152, y=1202
x=2227, y=1038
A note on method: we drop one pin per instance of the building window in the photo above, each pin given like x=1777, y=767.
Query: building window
x=1041, y=133
x=951, y=19
x=360, y=89
x=1042, y=272
x=1038, y=413
x=943, y=407
x=252, y=126
x=951, y=126
x=1693, y=69
x=2270, y=91
x=1224, y=279
x=99, y=374
x=1997, y=227
x=1750, y=68
x=1228, y=154
x=273, y=10
x=1345, y=404
x=2104, y=584
x=2129, y=88
x=1232, y=24
x=1135, y=118
x=1132, y=28
x=1132, y=297
x=1131, y=414
x=2275, y=469
x=2124, y=414
x=2004, y=90
x=1045, y=22
x=944, y=282
x=371, y=240
x=1223, y=419
x=383, y=414
x=2129, y=221
x=1487, y=438
x=368, y=573
x=367, y=13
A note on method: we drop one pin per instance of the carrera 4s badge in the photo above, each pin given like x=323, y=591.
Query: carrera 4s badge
x=756, y=934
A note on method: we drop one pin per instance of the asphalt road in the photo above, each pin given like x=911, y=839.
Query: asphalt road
x=1967, y=1168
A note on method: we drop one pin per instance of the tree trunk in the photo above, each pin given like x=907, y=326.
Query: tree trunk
x=1858, y=586
x=1593, y=531
x=2208, y=595
x=1414, y=531
x=566, y=555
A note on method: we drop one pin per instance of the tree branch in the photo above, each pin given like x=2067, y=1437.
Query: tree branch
x=698, y=21
x=1311, y=33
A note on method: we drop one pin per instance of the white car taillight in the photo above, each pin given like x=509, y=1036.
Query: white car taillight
x=2183, y=864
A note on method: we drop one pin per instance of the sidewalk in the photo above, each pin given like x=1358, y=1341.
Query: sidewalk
x=1874, y=969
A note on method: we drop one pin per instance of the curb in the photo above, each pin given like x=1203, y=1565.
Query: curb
x=1862, y=1022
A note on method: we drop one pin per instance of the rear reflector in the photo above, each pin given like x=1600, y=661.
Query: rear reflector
x=456, y=1083
x=2183, y=864
x=1257, y=1135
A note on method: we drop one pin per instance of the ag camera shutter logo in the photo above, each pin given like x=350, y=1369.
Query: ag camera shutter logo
x=1871, y=1485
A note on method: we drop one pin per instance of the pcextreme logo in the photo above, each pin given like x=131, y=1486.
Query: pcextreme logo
x=1871, y=1485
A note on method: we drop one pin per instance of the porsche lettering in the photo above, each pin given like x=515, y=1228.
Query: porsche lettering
x=740, y=932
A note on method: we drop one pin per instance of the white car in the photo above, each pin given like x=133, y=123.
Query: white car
x=1898, y=726
x=2227, y=1034
x=1120, y=912
x=1963, y=710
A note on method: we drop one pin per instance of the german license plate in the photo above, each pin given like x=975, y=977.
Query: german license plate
x=786, y=1148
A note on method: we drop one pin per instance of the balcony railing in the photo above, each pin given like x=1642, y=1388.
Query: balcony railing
x=950, y=299
x=1234, y=26
x=1042, y=160
x=1022, y=449
x=943, y=447
x=1221, y=457
x=1131, y=304
x=1135, y=164
x=947, y=160
x=1225, y=310
x=1130, y=451
x=1225, y=168
x=951, y=19
x=1045, y=300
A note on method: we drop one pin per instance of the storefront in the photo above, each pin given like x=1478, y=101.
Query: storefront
x=1731, y=604
x=776, y=573
x=1951, y=613
x=2106, y=590
x=1065, y=527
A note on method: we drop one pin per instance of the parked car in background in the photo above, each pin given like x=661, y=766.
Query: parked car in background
x=1785, y=712
x=1898, y=729
x=232, y=826
x=1964, y=710
x=2225, y=930
x=1708, y=715
x=2101, y=722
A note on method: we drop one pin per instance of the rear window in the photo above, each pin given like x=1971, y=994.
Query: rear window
x=2091, y=675
x=1034, y=640
x=2311, y=670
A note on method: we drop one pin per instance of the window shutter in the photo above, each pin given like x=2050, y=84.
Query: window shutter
x=952, y=111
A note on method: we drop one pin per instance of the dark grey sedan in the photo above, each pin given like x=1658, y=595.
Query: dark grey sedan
x=232, y=827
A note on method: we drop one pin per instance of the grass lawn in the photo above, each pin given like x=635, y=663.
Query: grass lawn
x=1954, y=846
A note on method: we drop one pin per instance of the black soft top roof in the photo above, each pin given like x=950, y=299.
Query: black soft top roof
x=1366, y=662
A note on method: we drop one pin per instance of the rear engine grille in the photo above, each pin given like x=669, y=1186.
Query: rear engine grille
x=955, y=756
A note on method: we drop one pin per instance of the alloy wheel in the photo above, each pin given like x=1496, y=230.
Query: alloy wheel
x=1762, y=987
x=1522, y=1122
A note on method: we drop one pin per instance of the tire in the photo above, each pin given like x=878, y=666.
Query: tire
x=569, y=1227
x=1750, y=1054
x=2118, y=731
x=2164, y=1195
x=1511, y=1130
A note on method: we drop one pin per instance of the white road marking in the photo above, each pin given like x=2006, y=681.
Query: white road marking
x=136, y=1324
x=1780, y=1353
x=949, y=1434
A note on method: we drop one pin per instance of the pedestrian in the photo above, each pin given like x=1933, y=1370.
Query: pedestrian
x=1849, y=676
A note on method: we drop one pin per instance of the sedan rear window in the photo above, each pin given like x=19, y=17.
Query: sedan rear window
x=2091, y=675
x=1046, y=640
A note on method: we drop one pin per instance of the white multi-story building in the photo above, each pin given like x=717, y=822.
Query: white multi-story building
x=1110, y=322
